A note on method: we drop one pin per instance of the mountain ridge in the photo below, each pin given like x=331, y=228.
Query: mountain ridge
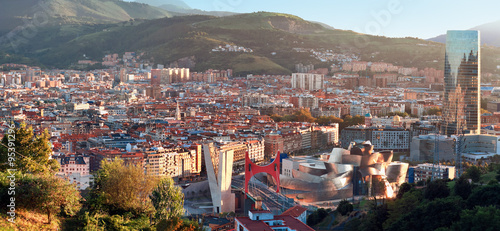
x=489, y=34
x=273, y=37
x=55, y=12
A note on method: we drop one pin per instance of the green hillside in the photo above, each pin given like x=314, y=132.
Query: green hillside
x=271, y=36
x=56, y=12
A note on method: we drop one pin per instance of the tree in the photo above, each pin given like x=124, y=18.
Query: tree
x=431, y=215
x=276, y=118
x=53, y=194
x=436, y=189
x=303, y=115
x=404, y=188
x=462, y=188
x=44, y=193
x=327, y=120
x=177, y=224
x=398, y=208
x=479, y=218
x=350, y=121
x=168, y=200
x=120, y=188
x=316, y=217
x=485, y=196
x=375, y=218
x=32, y=152
x=434, y=111
x=345, y=207
x=473, y=173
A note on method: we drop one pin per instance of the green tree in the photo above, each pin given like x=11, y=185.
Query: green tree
x=119, y=188
x=441, y=212
x=345, y=207
x=473, y=173
x=316, y=217
x=404, y=188
x=434, y=111
x=398, y=208
x=350, y=121
x=485, y=196
x=33, y=152
x=44, y=193
x=375, y=218
x=436, y=189
x=167, y=200
x=462, y=188
x=479, y=218
x=276, y=118
x=54, y=195
x=327, y=120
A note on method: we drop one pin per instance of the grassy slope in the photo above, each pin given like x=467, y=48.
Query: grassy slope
x=75, y=11
x=29, y=220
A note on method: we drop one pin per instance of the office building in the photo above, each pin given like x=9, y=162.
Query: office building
x=462, y=76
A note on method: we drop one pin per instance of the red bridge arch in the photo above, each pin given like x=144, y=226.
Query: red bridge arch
x=272, y=169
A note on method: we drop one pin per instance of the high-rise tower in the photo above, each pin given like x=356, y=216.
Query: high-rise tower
x=462, y=77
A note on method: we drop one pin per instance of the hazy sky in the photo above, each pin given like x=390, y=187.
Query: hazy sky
x=393, y=18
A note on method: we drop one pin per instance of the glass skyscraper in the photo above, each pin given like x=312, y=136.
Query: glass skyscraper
x=462, y=77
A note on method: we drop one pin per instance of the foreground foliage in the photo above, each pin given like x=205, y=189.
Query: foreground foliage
x=465, y=206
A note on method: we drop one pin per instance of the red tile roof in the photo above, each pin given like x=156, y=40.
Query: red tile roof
x=295, y=211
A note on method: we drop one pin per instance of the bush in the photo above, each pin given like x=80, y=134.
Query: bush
x=316, y=217
x=345, y=207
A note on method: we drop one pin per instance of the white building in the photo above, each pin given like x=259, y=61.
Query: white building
x=255, y=149
x=307, y=81
x=424, y=171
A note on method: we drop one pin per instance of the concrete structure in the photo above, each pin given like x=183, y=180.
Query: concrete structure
x=477, y=147
x=255, y=99
x=169, y=75
x=423, y=147
x=307, y=81
x=292, y=141
x=462, y=77
x=305, y=132
x=219, y=172
x=305, y=101
x=273, y=143
x=424, y=171
x=238, y=148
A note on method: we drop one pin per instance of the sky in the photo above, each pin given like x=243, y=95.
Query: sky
x=392, y=18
